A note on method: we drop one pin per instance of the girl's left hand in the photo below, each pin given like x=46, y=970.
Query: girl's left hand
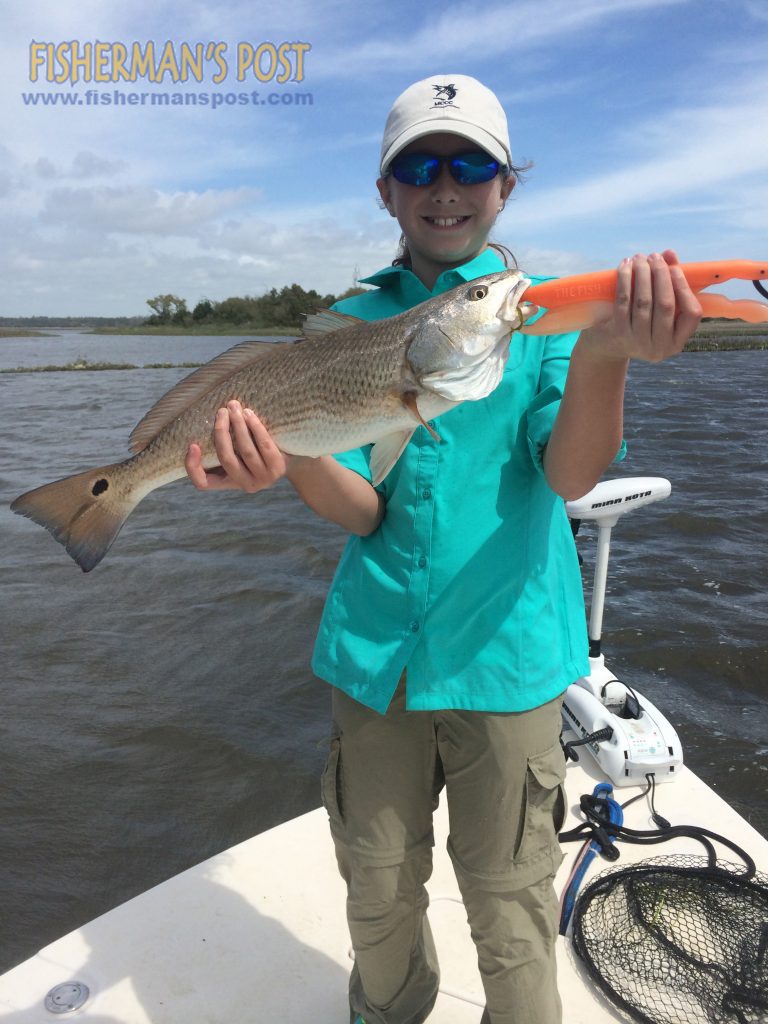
x=654, y=314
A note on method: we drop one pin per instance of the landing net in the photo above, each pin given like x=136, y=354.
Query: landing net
x=678, y=940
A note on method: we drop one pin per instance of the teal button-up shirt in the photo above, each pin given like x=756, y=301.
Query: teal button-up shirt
x=471, y=581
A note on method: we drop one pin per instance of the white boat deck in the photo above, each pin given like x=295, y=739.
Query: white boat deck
x=257, y=934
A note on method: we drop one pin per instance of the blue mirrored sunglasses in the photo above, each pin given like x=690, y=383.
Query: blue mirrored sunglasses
x=424, y=169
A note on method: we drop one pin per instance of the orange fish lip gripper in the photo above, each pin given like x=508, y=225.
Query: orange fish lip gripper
x=572, y=303
x=600, y=285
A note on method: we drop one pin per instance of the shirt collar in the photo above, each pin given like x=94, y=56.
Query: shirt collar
x=486, y=262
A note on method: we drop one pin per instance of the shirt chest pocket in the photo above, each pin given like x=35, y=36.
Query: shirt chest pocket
x=495, y=421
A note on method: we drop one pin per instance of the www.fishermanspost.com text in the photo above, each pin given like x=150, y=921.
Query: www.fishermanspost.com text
x=212, y=100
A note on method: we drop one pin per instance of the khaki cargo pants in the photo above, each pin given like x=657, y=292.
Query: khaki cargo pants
x=503, y=777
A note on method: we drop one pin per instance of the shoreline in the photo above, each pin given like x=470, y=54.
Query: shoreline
x=726, y=329
x=713, y=336
x=81, y=365
x=205, y=331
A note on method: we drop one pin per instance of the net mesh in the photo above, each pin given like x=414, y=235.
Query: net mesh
x=674, y=940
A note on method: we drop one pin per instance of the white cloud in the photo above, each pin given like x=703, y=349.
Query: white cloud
x=464, y=31
x=140, y=209
x=756, y=9
x=83, y=165
x=681, y=154
x=102, y=208
x=105, y=251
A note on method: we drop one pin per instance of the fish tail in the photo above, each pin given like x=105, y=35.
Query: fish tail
x=84, y=512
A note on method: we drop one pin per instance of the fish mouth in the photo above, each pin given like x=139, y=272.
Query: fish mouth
x=510, y=312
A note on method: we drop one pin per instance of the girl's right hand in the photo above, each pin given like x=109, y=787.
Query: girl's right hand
x=249, y=460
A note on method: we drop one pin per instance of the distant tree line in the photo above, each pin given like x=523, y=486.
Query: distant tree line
x=73, y=322
x=283, y=308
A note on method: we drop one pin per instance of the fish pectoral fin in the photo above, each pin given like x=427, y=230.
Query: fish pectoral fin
x=324, y=321
x=386, y=452
x=410, y=403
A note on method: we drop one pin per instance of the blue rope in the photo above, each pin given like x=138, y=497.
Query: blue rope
x=612, y=814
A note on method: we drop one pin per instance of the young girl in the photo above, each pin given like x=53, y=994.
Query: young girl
x=455, y=620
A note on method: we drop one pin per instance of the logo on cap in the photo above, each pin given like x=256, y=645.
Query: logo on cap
x=444, y=95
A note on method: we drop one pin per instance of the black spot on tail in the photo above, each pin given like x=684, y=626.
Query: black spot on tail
x=99, y=487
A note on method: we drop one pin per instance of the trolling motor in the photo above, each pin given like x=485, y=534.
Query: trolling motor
x=624, y=732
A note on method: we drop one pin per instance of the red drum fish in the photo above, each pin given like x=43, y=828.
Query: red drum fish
x=348, y=384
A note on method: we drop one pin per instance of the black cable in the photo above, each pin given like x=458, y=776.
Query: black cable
x=621, y=682
x=639, y=796
x=594, y=827
x=652, y=837
x=593, y=737
x=657, y=819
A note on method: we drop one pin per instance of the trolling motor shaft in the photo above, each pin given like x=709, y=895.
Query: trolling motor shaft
x=605, y=504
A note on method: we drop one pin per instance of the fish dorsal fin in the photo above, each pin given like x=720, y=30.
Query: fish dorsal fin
x=326, y=320
x=386, y=452
x=199, y=382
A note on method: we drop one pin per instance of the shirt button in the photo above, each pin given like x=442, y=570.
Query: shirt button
x=426, y=493
x=422, y=562
x=414, y=627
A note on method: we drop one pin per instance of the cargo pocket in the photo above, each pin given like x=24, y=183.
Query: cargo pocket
x=544, y=811
x=330, y=784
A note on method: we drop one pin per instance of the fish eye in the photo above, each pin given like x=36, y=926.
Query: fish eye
x=478, y=292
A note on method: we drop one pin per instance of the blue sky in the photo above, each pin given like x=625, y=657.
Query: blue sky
x=645, y=120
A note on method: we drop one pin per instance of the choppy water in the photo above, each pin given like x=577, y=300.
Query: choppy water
x=162, y=708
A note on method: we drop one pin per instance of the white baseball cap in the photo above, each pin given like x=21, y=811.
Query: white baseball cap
x=456, y=104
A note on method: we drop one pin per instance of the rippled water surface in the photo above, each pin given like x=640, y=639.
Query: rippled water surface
x=161, y=708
